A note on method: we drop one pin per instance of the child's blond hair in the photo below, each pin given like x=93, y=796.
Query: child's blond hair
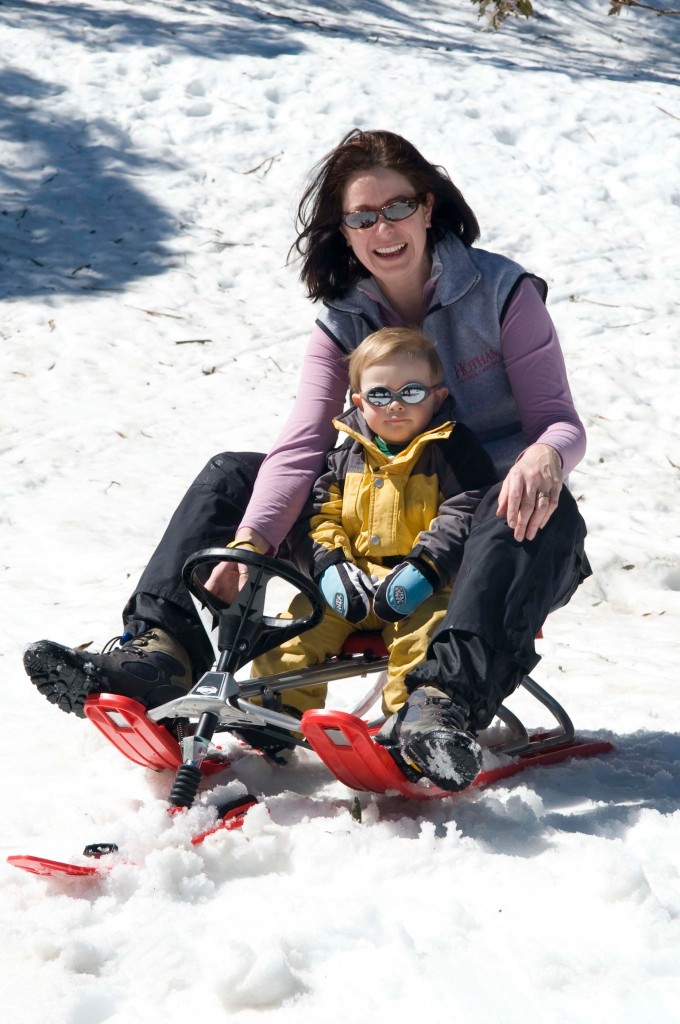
x=391, y=341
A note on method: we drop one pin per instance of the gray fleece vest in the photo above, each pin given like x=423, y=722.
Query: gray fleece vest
x=464, y=321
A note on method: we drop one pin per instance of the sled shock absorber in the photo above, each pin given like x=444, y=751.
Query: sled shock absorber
x=188, y=777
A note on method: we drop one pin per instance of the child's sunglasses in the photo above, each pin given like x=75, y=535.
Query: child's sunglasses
x=411, y=394
x=399, y=210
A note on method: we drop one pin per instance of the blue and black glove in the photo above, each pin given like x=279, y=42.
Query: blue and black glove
x=347, y=590
x=406, y=587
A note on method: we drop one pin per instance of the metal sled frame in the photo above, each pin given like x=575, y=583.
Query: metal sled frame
x=233, y=701
x=343, y=740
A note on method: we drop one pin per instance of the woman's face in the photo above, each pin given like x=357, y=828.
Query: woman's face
x=393, y=251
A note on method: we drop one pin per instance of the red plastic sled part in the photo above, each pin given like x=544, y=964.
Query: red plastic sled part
x=232, y=819
x=346, y=747
x=124, y=723
x=44, y=866
x=344, y=744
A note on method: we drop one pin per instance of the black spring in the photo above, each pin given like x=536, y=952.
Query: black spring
x=185, y=786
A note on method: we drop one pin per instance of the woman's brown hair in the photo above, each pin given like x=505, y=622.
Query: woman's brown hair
x=329, y=267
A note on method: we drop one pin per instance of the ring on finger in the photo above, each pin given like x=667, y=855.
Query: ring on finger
x=543, y=494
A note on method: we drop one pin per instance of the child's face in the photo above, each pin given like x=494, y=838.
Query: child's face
x=399, y=422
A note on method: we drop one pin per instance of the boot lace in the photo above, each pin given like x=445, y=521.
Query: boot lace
x=451, y=715
x=116, y=642
x=110, y=644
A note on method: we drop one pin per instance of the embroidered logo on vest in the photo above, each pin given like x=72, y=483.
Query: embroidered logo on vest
x=468, y=369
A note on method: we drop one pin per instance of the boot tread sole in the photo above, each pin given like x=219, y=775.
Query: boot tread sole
x=61, y=677
x=450, y=763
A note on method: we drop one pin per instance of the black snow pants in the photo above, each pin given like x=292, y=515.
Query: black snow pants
x=502, y=595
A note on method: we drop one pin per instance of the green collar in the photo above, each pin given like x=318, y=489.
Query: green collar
x=390, y=450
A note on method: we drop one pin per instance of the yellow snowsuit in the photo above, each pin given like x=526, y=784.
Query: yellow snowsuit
x=376, y=511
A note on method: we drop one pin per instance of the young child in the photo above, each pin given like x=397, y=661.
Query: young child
x=390, y=515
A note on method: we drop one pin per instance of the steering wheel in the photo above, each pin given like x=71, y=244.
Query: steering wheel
x=244, y=630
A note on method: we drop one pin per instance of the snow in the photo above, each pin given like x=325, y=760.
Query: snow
x=151, y=157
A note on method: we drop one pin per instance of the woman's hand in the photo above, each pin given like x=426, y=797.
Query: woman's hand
x=228, y=578
x=531, y=490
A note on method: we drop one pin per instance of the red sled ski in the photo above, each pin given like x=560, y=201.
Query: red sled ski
x=342, y=740
x=229, y=817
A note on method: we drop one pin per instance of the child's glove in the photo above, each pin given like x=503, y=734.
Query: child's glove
x=401, y=592
x=347, y=590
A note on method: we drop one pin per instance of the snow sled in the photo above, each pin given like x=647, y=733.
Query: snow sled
x=221, y=702
x=342, y=740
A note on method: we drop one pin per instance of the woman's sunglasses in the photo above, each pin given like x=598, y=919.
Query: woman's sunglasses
x=411, y=394
x=399, y=210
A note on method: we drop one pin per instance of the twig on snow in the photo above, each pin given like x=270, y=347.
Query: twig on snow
x=269, y=162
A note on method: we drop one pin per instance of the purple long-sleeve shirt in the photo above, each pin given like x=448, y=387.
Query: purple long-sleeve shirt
x=535, y=367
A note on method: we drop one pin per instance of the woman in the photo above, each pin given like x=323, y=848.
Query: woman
x=386, y=239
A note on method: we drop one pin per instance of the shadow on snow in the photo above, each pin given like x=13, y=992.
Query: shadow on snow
x=521, y=816
x=635, y=45
x=212, y=29
x=73, y=217
x=601, y=796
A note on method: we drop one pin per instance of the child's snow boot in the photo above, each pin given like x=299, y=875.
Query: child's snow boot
x=430, y=737
x=152, y=668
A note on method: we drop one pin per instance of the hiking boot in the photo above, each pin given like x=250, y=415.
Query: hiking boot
x=152, y=668
x=430, y=738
